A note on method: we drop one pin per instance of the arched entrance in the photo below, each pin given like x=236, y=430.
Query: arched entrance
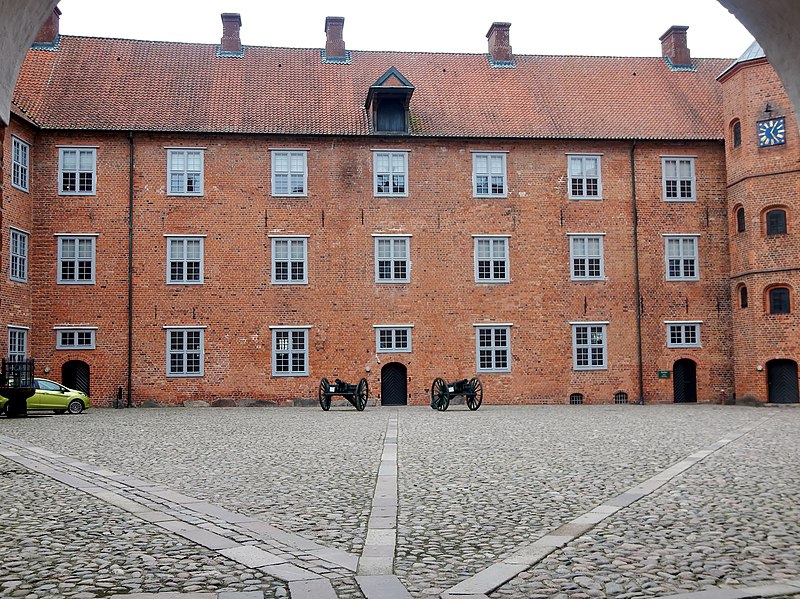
x=75, y=375
x=394, y=387
x=684, y=381
x=782, y=381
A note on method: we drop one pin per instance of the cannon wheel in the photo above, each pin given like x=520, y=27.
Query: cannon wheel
x=440, y=399
x=362, y=395
x=475, y=399
x=324, y=400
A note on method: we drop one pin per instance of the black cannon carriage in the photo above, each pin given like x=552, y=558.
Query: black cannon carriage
x=442, y=392
x=357, y=395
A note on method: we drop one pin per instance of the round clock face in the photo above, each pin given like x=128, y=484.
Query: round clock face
x=772, y=132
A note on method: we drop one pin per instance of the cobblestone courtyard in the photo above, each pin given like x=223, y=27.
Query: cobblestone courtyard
x=512, y=502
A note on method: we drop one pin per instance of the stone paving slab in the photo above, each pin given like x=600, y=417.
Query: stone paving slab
x=382, y=587
x=312, y=589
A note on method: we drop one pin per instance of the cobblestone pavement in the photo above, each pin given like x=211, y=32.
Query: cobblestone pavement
x=473, y=489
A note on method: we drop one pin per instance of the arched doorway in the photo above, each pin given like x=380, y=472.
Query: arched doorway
x=394, y=387
x=782, y=381
x=684, y=381
x=75, y=375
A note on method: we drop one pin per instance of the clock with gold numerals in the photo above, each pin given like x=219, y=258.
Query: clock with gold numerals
x=772, y=132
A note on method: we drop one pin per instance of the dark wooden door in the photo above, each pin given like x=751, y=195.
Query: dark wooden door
x=394, y=387
x=782, y=381
x=684, y=381
x=75, y=375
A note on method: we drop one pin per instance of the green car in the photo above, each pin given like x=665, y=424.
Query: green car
x=53, y=396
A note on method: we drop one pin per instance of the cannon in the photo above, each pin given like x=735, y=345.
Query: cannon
x=442, y=392
x=357, y=395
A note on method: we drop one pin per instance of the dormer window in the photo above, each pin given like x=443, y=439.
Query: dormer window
x=388, y=101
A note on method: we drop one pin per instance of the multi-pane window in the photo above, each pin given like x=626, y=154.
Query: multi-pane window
x=18, y=264
x=491, y=260
x=20, y=163
x=740, y=222
x=678, y=178
x=76, y=260
x=17, y=344
x=75, y=338
x=779, y=301
x=736, y=132
x=585, y=182
x=289, y=173
x=392, y=260
x=586, y=257
x=76, y=171
x=489, y=175
x=184, y=351
x=391, y=173
x=493, y=349
x=393, y=339
x=743, y=303
x=289, y=260
x=776, y=222
x=289, y=352
x=683, y=334
x=185, y=260
x=185, y=172
x=681, y=258
x=589, y=346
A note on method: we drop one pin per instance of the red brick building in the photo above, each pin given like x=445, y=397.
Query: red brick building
x=191, y=221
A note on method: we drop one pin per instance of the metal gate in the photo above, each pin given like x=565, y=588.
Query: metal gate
x=75, y=375
x=684, y=381
x=394, y=388
x=782, y=381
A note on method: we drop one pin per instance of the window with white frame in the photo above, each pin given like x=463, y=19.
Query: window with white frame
x=391, y=173
x=76, y=258
x=20, y=163
x=185, y=172
x=289, y=351
x=585, y=182
x=491, y=259
x=681, y=258
x=492, y=348
x=683, y=334
x=289, y=173
x=678, y=178
x=68, y=338
x=18, y=264
x=489, y=175
x=17, y=344
x=586, y=257
x=589, y=350
x=392, y=263
x=76, y=171
x=393, y=338
x=185, y=260
x=289, y=260
x=185, y=352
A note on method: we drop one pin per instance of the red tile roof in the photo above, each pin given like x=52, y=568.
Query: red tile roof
x=114, y=84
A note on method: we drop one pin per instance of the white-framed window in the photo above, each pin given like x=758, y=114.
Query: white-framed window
x=185, y=351
x=683, y=333
x=185, y=171
x=289, y=351
x=289, y=260
x=289, y=173
x=391, y=173
x=681, y=257
x=586, y=257
x=585, y=180
x=489, y=175
x=493, y=348
x=76, y=259
x=491, y=259
x=75, y=338
x=18, y=264
x=393, y=338
x=17, y=344
x=392, y=261
x=184, y=260
x=589, y=351
x=678, y=178
x=20, y=163
x=77, y=171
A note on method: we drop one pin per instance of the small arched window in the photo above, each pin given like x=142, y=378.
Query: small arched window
x=736, y=133
x=743, y=296
x=576, y=399
x=620, y=397
x=740, y=224
x=779, y=300
x=776, y=222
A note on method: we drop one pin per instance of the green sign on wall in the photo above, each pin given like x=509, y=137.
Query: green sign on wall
x=663, y=374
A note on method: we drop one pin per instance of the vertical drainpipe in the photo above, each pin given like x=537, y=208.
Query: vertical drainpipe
x=130, y=264
x=638, y=290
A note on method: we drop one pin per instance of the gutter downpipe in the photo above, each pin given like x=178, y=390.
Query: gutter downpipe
x=637, y=286
x=130, y=266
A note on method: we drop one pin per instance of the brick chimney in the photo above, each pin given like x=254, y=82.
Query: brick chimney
x=48, y=34
x=673, y=46
x=334, y=45
x=499, y=46
x=230, y=42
